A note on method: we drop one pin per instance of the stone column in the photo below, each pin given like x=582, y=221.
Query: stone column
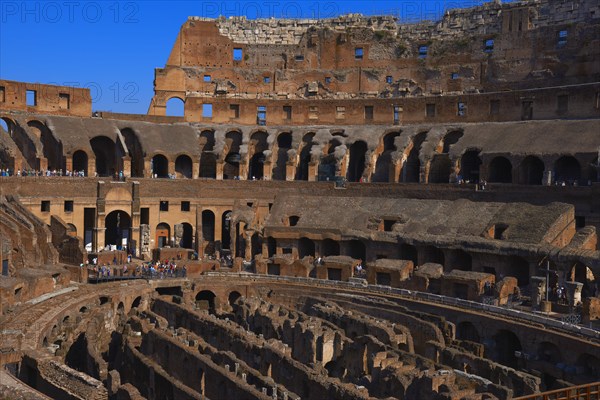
x=538, y=291
x=219, y=174
x=195, y=169
x=547, y=178
x=148, y=168
x=313, y=168
x=171, y=167
x=574, y=293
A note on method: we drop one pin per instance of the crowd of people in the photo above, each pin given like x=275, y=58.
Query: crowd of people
x=41, y=172
x=152, y=269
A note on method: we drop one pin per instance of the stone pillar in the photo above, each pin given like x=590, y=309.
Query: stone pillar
x=69, y=163
x=290, y=172
x=42, y=163
x=91, y=167
x=267, y=171
x=127, y=166
x=219, y=174
x=171, y=167
x=195, y=169
x=574, y=293
x=313, y=168
x=538, y=291
x=547, y=178
x=148, y=167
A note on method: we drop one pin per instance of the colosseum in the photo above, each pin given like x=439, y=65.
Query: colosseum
x=349, y=208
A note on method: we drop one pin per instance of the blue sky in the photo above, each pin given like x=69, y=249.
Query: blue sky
x=112, y=47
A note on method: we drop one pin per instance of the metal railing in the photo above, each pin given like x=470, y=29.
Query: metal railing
x=590, y=391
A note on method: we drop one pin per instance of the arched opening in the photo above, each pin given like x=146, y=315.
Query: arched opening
x=305, y=157
x=356, y=165
x=175, y=107
x=160, y=166
x=590, y=365
x=134, y=147
x=531, y=171
x=6, y=125
x=583, y=274
x=256, y=170
x=506, y=343
x=284, y=144
x=518, y=267
x=231, y=169
x=500, y=170
x=384, y=165
x=469, y=166
x=306, y=247
x=271, y=246
x=163, y=235
x=440, y=169
x=256, y=244
x=357, y=250
x=187, y=238
x=80, y=162
x=208, y=231
x=136, y=303
x=460, y=260
x=208, y=160
x=432, y=254
x=330, y=247
x=71, y=230
x=409, y=252
x=51, y=147
x=226, y=230
x=549, y=352
x=205, y=300
x=328, y=164
x=183, y=166
x=412, y=168
x=467, y=331
x=118, y=226
x=233, y=297
x=104, y=151
x=450, y=139
x=594, y=174
x=567, y=169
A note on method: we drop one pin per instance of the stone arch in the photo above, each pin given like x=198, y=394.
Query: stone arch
x=470, y=162
x=208, y=231
x=259, y=144
x=284, y=144
x=518, y=267
x=500, y=170
x=549, y=352
x=411, y=171
x=302, y=171
x=234, y=295
x=255, y=244
x=306, y=247
x=118, y=228
x=183, y=166
x=531, y=171
x=136, y=152
x=136, y=302
x=187, y=239
x=163, y=234
x=356, y=164
x=231, y=169
x=583, y=274
x=160, y=166
x=328, y=164
x=451, y=139
x=589, y=364
x=8, y=125
x=357, y=249
x=226, y=230
x=506, y=343
x=52, y=149
x=175, y=107
x=208, y=159
x=409, y=252
x=465, y=330
x=460, y=260
x=205, y=300
x=104, y=150
x=432, y=254
x=384, y=165
x=440, y=169
x=567, y=169
x=80, y=161
x=330, y=247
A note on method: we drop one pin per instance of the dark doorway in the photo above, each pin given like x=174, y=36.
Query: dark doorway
x=118, y=226
x=356, y=165
x=500, y=170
